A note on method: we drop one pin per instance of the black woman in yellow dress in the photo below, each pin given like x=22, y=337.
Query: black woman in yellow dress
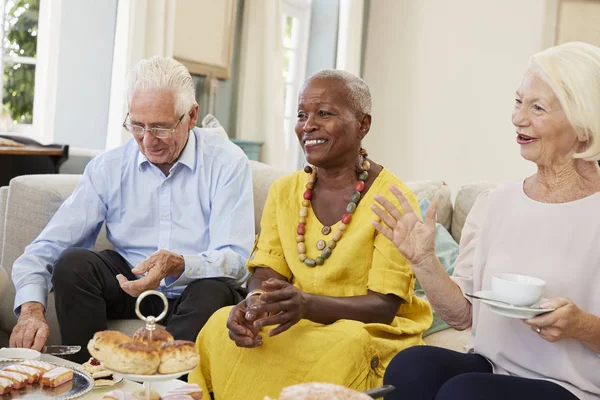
x=330, y=299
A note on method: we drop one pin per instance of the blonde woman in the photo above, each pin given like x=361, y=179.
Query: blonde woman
x=548, y=226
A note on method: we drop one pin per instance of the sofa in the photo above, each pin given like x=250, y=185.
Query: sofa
x=28, y=203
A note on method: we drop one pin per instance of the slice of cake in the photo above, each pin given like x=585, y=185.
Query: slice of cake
x=41, y=365
x=32, y=374
x=19, y=380
x=57, y=376
x=6, y=386
x=118, y=395
x=193, y=391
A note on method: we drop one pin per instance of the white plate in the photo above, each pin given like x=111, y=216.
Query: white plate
x=511, y=311
x=151, y=378
x=19, y=354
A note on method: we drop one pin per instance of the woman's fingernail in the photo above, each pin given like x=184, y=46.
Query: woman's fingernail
x=259, y=337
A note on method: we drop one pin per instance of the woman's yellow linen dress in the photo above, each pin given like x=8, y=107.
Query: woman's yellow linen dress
x=348, y=353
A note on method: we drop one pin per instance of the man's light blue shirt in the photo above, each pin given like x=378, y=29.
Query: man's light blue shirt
x=203, y=210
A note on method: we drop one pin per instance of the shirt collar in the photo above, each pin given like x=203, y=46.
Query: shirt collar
x=187, y=156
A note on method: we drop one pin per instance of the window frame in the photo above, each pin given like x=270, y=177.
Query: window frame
x=46, y=72
x=301, y=10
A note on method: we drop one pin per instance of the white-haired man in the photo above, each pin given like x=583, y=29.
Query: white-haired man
x=177, y=203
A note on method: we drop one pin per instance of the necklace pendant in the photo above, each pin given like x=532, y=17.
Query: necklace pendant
x=326, y=231
x=321, y=245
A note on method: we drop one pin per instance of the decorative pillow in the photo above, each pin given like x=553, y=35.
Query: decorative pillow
x=446, y=249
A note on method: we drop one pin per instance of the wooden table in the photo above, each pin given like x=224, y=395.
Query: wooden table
x=30, y=159
x=30, y=151
x=125, y=385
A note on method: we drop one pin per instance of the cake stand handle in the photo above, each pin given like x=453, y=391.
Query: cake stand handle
x=147, y=389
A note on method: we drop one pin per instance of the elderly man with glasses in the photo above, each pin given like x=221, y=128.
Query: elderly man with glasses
x=177, y=204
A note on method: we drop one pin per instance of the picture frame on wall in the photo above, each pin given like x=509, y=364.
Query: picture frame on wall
x=204, y=36
x=578, y=20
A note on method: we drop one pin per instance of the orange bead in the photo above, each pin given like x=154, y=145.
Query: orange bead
x=360, y=186
x=308, y=194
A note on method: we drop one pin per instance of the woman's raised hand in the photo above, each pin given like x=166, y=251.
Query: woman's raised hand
x=413, y=238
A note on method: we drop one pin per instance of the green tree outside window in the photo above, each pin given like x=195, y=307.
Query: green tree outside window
x=20, y=41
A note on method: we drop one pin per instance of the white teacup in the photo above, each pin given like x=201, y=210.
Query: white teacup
x=518, y=290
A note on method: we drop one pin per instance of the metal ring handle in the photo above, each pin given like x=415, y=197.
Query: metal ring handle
x=151, y=318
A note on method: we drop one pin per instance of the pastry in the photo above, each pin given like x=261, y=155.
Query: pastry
x=57, y=391
x=103, y=343
x=320, y=391
x=5, y=385
x=92, y=366
x=133, y=358
x=57, y=376
x=41, y=365
x=193, y=391
x=159, y=336
x=118, y=395
x=18, y=380
x=178, y=356
x=33, y=375
x=141, y=395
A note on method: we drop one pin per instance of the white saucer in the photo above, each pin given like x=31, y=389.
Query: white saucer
x=19, y=354
x=151, y=378
x=512, y=311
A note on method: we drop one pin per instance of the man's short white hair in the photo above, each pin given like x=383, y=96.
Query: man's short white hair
x=357, y=90
x=163, y=73
x=573, y=72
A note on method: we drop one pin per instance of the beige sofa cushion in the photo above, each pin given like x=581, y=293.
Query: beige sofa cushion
x=450, y=339
x=435, y=189
x=465, y=198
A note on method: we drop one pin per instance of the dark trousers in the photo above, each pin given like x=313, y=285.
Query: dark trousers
x=428, y=372
x=87, y=295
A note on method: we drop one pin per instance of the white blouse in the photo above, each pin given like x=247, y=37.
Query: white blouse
x=506, y=231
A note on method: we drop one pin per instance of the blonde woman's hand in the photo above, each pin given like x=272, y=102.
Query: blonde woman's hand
x=566, y=321
x=413, y=238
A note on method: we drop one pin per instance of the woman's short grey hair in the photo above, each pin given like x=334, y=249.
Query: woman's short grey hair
x=163, y=73
x=357, y=90
x=573, y=72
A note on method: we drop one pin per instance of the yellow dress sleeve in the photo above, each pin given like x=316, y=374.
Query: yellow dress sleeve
x=390, y=272
x=268, y=251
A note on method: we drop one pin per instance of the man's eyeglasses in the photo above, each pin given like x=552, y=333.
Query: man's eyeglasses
x=159, y=133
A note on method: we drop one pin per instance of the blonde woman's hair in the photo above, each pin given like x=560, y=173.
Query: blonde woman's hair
x=573, y=72
x=163, y=73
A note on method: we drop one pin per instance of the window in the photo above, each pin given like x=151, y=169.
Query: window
x=18, y=62
x=295, y=25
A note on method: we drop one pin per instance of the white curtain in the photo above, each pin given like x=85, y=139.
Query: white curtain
x=261, y=87
x=144, y=28
x=350, y=34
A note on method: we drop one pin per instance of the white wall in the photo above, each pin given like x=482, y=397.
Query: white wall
x=84, y=72
x=443, y=74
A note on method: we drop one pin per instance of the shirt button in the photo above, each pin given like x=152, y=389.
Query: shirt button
x=165, y=214
x=374, y=362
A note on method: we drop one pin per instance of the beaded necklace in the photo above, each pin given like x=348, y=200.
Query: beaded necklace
x=327, y=248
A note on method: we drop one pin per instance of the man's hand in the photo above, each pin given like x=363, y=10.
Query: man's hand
x=31, y=330
x=158, y=266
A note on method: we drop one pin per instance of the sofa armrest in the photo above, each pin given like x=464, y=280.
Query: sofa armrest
x=31, y=203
